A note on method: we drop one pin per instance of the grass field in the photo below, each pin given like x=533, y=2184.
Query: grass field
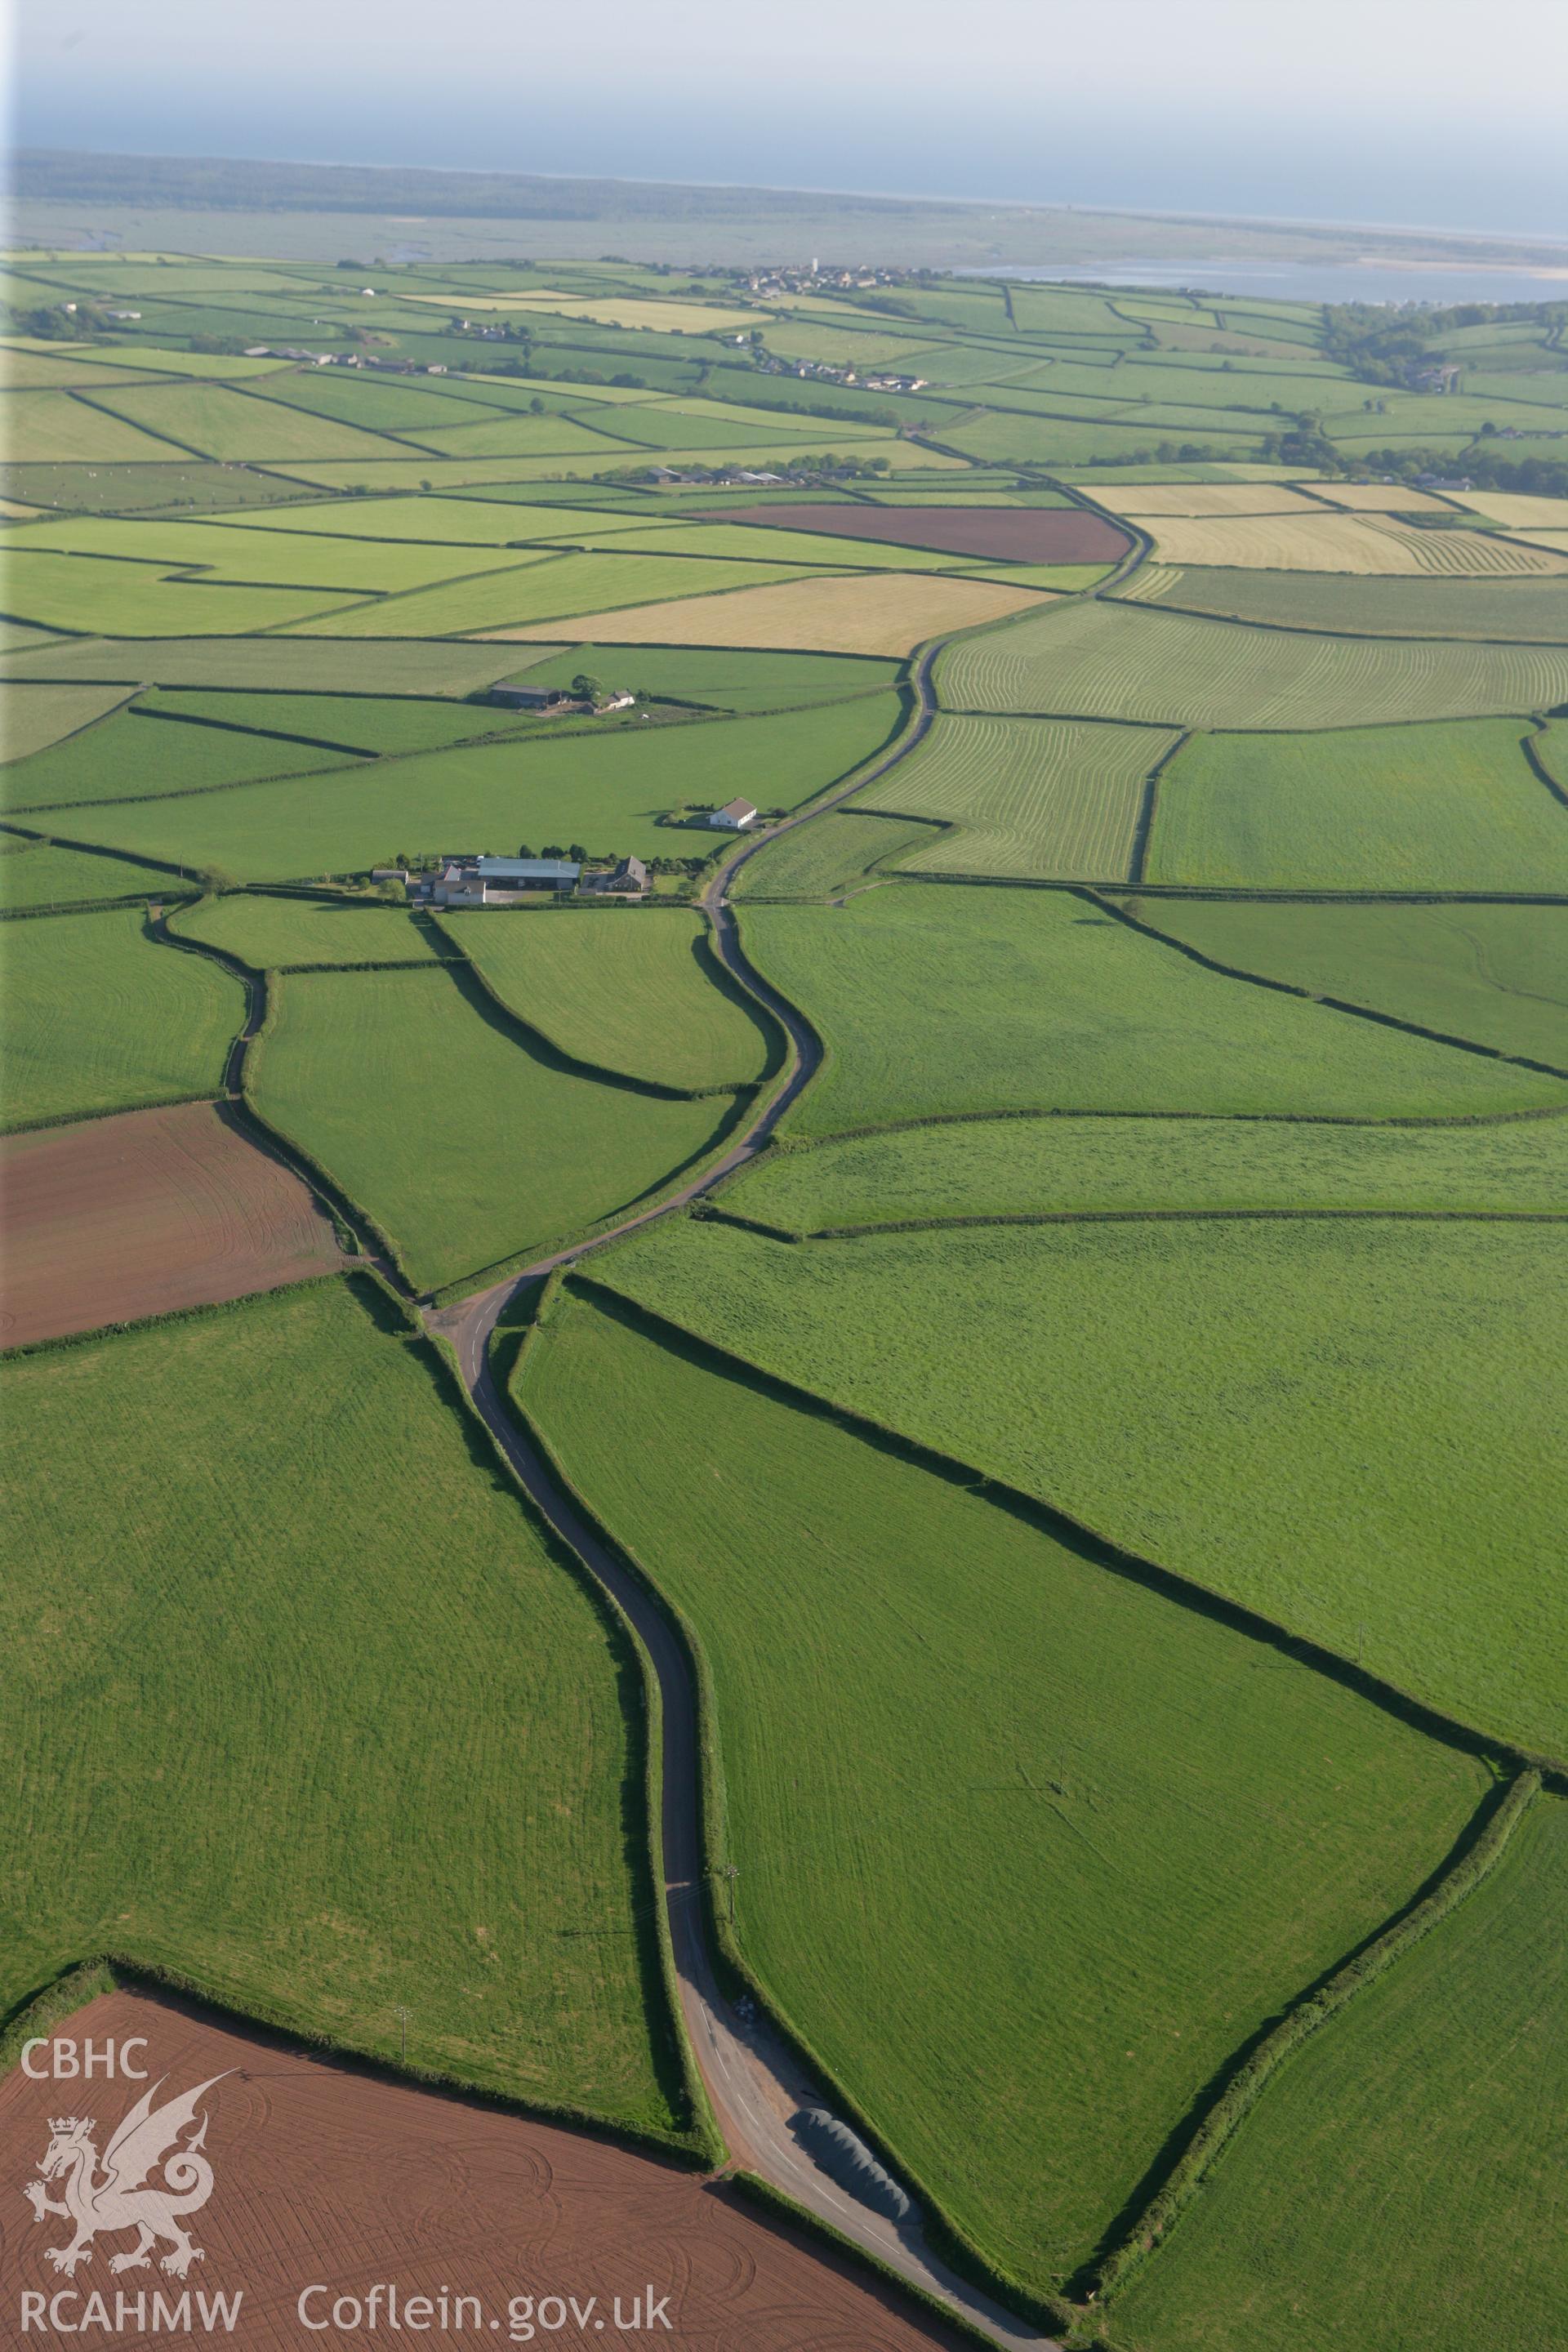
x=99, y=1017
x=293, y=665
x=212, y=421
x=834, y=852
x=889, y=613
x=1525, y=611
x=1028, y=796
x=1031, y=1166
x=465, y=1144
x=937, y=1000
x=359, y=722
x=346, y=568
x=54, y=429
x=546, y=587
x=462, y=522
x=1212, y=1395
x=1449, y=807
x=267, y=933
x=1125, y=661
x=736, y=542
x=36, y=716
x=221, y=1823
x=1162, y=1842
x=116, y=599
x=134, y=758
x=608, y=791
x=1495, y=973
x=715, y=678
x=633, y=990
x=43, y=875
x=1405, y=2172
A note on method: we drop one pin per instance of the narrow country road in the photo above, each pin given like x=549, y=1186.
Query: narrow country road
x=754, y=2081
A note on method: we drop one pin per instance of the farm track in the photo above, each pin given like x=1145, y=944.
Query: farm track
x=754, y=2080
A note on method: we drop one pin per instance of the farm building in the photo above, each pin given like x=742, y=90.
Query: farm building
x=735, y=816
x=531, y=697
x=626, y=880
x=501, y=881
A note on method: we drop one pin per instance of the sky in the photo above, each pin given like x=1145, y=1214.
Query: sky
x=1421, y=112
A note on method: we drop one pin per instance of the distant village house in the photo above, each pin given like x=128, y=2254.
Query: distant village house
x=734, y=816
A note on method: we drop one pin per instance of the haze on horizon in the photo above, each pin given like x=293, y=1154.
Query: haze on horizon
x=1405, y=113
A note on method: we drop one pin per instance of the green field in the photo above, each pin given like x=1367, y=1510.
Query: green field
x=935, y=1001
x=36, y=716
x=366, y=723
x=211, y=420
x=54, y=429
x=99, y=1017
x=475, y=521
x=270, y=933
x=713, y=679
x=1029, y=796
x=1102, y=660
x=634, y=990
x=607, y=790
x=347, y=568
x=547, y=586
x=834, y=852
x=1454, y=806
x=467, y=1145
x=134, y=600
x=189, y=1781
x=1405, y=2174
x=43, y=875
x=1127, y=1831
x=1215, y=1396
x=1523, y=611
x=1036, y=1167
x=135, y=758
x=1497, y=974
x=283, y=664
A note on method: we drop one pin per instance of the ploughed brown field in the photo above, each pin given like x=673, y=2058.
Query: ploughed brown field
x=1009, y=534
x=328, y=2182
x=110, y=1219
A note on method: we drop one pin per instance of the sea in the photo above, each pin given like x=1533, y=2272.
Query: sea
x=1307, y=281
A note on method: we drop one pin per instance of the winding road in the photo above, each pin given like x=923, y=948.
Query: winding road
x=752, y=2078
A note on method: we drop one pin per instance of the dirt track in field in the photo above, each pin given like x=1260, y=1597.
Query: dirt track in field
x=110, y=1219
x=1010, y=534
x=328, y=2176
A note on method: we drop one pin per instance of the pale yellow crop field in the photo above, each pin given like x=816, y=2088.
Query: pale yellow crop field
x=1379, y=498
x=1517, y=512
x=610, y=310
x=1198, y=499
x=1321, y=541
x=889, y=613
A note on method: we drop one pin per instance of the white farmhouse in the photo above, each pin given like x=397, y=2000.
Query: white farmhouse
x=734, y=816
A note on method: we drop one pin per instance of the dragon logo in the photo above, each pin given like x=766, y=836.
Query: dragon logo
x=118, y=2196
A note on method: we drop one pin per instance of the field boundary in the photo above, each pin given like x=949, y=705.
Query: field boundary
x=1480, y=1849
x=1144, y=832
x=1417, y=1714
x=1331, y=1004
x=83, y=1980
x=755, y=2190
x=1182, y=1215
x=732, y=1968
x=540, y=1041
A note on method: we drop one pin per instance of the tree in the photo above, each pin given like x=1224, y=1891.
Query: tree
x=577, y=854
x=587, y=687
